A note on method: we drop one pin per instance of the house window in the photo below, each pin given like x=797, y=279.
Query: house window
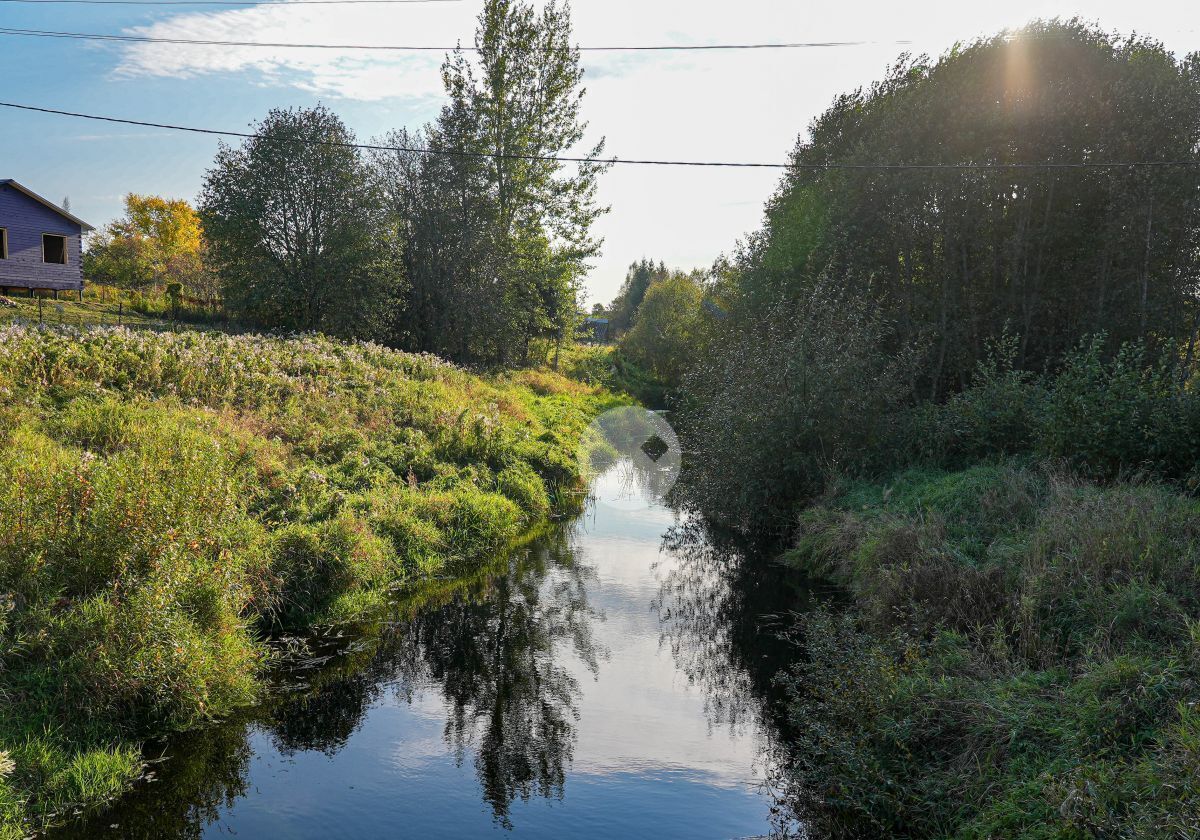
x=3, y=244
x=54, y=249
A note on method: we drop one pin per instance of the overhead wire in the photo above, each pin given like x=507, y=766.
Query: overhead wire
x=205, y=42
x=225, y=2
x=880, y=166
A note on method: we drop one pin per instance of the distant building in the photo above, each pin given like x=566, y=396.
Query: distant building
x=40, y=242
x=594, y=329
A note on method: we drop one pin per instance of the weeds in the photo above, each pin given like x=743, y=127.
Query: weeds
x=167, y=500
x=1021, y=658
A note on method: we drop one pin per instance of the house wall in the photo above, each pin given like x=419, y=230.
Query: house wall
x=26, y=220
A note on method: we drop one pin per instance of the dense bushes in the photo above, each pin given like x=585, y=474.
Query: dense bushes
x=924, y=297
x=1105, y=416
x=166, y=500
x=1021, y=659
x=947, y=258
x=767, y=418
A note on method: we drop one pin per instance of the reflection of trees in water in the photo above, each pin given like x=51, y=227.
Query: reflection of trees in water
x=724, y=610
x=489, y=646
x=495, y=661
x=181, y=797
x=490, y=650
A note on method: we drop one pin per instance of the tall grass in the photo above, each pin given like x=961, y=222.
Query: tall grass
x=1021, y=658
x=168, y=500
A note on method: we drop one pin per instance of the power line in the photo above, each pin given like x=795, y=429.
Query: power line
x=225, y=2
x=816, y=167
x=147, y=39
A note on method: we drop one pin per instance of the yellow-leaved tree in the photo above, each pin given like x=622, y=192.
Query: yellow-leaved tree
x=157, y=242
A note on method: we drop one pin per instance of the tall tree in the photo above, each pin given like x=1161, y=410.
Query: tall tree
x=864, y=278
x=638, y=279
x=498, y=232
x=667, y=330
x=958, y=255
x=298, y=232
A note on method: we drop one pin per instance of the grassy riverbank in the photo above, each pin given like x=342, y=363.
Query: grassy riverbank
x=1021, y=657
x=167, y=500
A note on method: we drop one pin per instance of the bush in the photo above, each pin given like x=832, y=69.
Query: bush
x=776, y=409
x=998, y=413
x=1106, y=416
x=1122, y=416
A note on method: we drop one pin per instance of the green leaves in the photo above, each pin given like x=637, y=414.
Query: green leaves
x=496, y=234
x=296, y=229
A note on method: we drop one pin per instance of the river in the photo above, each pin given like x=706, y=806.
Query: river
x=610, y=680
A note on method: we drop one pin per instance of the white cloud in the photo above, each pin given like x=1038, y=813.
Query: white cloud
x=350, y=74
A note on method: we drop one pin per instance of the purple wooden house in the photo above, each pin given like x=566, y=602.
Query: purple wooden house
x=40, y=243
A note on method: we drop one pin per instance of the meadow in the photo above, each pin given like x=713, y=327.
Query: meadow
x=169, y=502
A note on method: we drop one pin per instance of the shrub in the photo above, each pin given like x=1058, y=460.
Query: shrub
x=777, y=409
x=996, y=414
x=1122, y=416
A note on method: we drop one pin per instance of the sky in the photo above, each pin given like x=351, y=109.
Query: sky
x=736, y=105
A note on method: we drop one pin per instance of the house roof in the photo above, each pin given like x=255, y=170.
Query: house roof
x=9, y=182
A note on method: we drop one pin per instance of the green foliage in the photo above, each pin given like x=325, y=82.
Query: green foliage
x=296, y=229
x=986, y=279
x=607, y=367
x=774, y=410
x=956, y=257
x=638, y=279
x=1105, y=416
x=166, y=499
x=496, y=232
x=1019, y=659
x=1123, y=415
x=665, y=335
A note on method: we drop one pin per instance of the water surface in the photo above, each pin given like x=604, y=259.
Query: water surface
x=601, y=683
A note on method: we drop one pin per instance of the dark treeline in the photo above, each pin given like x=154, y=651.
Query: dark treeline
x=466, y=240
x=867, y=291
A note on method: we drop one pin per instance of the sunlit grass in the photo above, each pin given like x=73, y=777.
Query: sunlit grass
x=168, y=500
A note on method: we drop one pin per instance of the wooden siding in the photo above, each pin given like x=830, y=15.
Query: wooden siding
x=26, y=220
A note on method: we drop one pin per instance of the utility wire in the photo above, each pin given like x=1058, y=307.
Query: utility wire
x=225, y=2
x=147, y=39
x=815, y=167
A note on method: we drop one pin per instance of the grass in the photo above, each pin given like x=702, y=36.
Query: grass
x=70, y=311
x=1021, y=658
x=168, y=500
x=108, y=306
x=607, y=367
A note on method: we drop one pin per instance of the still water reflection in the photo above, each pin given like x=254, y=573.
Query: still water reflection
x=610, y=681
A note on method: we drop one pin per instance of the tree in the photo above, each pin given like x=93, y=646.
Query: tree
x=956, y=256
x=869, y=288
x=625, y=305
x=497, y=233
x=157, y=241
x=665, y=336
x=297, y=230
